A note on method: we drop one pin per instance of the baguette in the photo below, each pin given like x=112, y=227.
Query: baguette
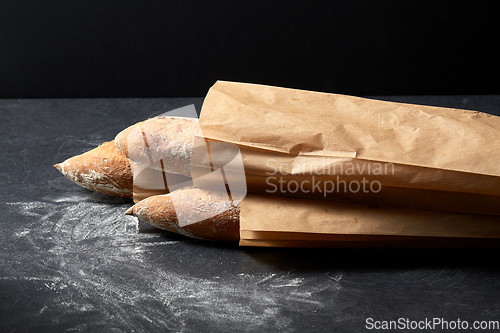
x=103, y=169
x=162, y=143
x=221, y=216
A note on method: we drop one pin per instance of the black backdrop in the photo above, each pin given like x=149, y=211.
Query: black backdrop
x=180, y=48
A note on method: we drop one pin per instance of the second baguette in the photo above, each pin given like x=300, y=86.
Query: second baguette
x=223, y=216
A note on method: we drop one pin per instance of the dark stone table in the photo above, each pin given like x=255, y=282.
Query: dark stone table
x=71, y=261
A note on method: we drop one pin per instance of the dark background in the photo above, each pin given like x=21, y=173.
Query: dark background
x=180, y=48
x=71, y=260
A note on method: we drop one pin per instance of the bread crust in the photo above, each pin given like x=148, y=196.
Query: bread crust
x=169, y=139
x=104, y=169
x=161, y=211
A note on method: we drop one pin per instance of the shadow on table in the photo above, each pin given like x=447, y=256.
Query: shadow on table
x=317, y=260
x=375, y=259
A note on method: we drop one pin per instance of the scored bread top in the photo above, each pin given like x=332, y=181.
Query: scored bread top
x=169, y=139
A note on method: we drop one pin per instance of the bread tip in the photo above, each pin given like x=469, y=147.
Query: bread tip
x=130, y=211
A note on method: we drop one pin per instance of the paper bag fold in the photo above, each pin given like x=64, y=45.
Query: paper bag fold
x=304, y=138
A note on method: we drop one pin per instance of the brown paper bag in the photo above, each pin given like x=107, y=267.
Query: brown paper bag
x=406, y=156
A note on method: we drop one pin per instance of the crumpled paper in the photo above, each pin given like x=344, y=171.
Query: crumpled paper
x=387, y=159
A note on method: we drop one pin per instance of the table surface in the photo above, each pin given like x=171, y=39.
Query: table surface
x=71, y=261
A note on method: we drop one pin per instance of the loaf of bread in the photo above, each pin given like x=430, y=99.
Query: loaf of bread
x=192, y=212
x=162, y=143
x=103, y=169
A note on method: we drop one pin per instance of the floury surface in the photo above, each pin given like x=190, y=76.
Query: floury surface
x=71, y=261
